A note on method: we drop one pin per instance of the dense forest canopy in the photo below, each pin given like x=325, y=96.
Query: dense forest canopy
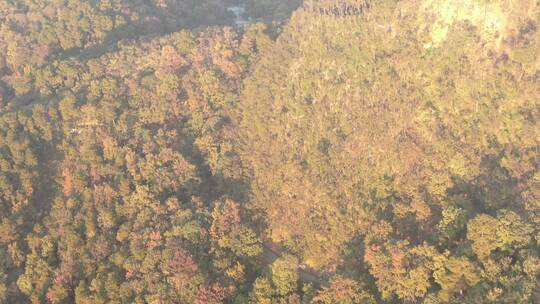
x=330, y=151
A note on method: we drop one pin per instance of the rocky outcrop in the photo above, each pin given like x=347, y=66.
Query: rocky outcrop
x=496, y=20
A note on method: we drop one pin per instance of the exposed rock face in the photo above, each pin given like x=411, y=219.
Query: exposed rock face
x=495, y=20
x=338, y=8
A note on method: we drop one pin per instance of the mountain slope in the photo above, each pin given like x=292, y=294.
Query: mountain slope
x=379, y=132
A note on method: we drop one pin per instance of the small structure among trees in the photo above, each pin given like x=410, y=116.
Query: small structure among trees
x=240, y=16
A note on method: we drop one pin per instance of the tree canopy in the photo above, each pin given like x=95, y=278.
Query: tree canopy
x=351, y=151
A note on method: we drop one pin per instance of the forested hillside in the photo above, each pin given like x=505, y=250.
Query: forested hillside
x=330, y=151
